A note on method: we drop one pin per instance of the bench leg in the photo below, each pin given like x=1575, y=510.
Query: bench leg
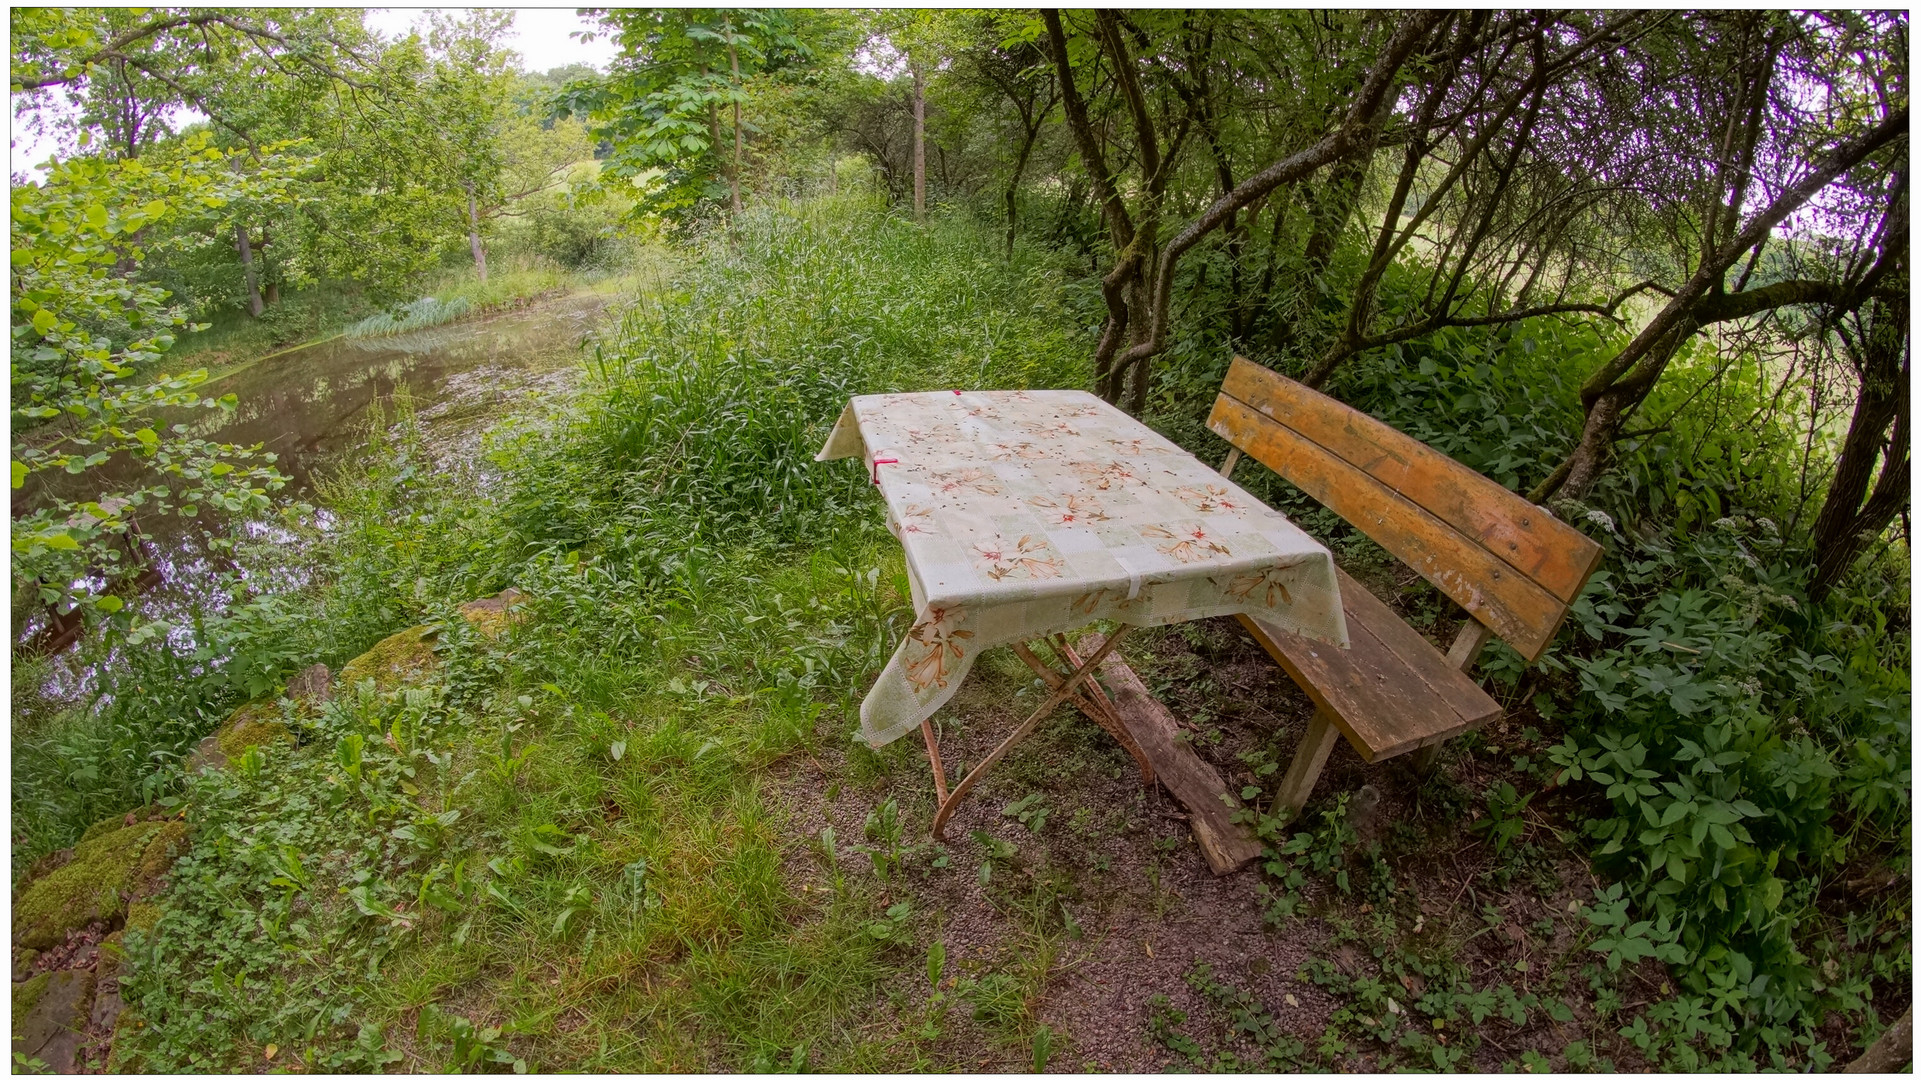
x=1306, y=767
x=1424, y=760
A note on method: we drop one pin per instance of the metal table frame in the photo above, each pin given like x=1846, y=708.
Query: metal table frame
x=1076, y=684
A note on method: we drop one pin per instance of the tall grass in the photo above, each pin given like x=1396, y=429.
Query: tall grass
x=417, y=315
x=716, y=392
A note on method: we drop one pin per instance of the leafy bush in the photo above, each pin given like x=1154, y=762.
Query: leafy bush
x=1733, y=751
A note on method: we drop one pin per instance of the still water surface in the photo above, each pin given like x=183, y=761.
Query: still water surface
x=306, y=405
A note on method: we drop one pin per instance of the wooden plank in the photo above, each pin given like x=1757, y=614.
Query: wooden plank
x=1194, y=783
x=1390, y=691
x=1445, y=680
x=1522, y=612
x=1383, y=708
x=1555, y=555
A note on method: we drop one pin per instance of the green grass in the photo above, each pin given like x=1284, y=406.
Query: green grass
x=306, y=315
x=571, y=852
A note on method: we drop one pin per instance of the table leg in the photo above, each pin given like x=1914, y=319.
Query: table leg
x=1091, y=700
x=1061, y=693
x=933, y=758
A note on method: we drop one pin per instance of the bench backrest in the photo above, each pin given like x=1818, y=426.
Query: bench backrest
x=1512, y=565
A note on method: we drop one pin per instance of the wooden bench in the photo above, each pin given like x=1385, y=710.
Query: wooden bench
x=1513, y=566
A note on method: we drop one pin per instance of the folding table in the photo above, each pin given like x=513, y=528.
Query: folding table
x=1028, y=514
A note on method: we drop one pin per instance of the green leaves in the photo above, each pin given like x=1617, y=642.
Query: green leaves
x=1030, y=810
x=87, y=335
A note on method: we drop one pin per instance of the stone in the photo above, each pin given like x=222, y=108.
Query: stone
x=168, y=844
x=105, y=825
x=44, y=865
x=50, y=1014
x=106, y=997
x=407, y=658
x=313, y=686
x=257, y=723
x=494, y=614
x=397, y=660
x=142, y=915
x=260, y=721
x=23, y=963
x=113, y=954
x=119, y=1058
x=96, y=885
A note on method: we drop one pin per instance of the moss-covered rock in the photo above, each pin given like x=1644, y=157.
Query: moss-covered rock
x=168, y=844
x=27, y=995
x=23, y=963
x=238, y=735
x=141, y=916
x=398, y=660
x=113, y=955
x=50, y=1013
x=107, y=1003
x=408, y=658
x=494, y=614
x=257, y=723
x=120, y=1058
x=105, y=825
x=96, y=884
x=312, y=687
x=42, y=866
x=116, y=822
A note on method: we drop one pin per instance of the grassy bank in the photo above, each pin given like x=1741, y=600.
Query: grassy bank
x=633, y=832
x=234, y=336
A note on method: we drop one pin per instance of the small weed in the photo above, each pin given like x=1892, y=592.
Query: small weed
x=1030, y=810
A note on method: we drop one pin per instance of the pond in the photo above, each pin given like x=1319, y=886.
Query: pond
x=309, y=403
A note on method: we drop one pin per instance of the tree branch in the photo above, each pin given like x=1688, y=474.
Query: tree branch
x=1838, y=161
x=1354, y=136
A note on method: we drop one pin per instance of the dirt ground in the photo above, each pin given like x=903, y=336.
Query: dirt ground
x=1145, y=909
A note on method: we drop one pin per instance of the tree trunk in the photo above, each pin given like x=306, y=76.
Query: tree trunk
x=920, y=144
x=1604, y=415
x=733, y=61
x=1632, y=372
x=270, y=282
x=1846, y=525
x=1013, y=185
x=244, y=245
x=1332, y=210
x=1120, y=224
x=473, y=234
x=1891, y=1051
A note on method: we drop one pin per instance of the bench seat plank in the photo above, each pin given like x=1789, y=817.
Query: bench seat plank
x=1390, y=692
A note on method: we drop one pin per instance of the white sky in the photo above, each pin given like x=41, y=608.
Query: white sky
x=539, y=35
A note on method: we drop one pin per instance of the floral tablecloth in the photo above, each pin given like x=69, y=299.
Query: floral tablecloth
x=1035, y=512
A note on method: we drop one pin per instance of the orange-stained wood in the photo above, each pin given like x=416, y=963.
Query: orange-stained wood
x=1553, y=553
x=1521, y=611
